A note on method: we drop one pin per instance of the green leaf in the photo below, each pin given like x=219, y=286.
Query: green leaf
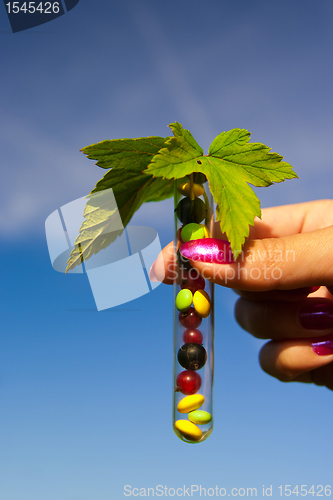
x=124, y=152
x=131, y=188
x=128, y=158
x=231, y=165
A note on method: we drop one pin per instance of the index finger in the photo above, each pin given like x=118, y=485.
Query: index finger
x=285, y=263
x=276, y=222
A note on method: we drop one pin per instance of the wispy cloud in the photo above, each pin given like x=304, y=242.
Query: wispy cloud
x=38, y=174
x=170, y=69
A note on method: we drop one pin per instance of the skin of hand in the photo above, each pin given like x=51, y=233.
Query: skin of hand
x=284, y=277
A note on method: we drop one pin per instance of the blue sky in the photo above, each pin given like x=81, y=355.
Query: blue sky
x=85, y=396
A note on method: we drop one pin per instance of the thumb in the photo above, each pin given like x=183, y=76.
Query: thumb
x=296, y=261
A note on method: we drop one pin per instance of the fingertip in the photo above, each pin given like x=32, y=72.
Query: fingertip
x=163, y=268
x=289, y=360
x=158, y=268
x=152, y=274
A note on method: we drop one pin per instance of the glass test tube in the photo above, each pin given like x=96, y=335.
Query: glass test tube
x=194, y=323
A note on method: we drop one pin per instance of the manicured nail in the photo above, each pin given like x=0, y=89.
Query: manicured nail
x=323, y=347
x=317, y=315
x=208, y=250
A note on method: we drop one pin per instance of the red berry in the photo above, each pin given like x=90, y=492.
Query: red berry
x=192, y=281
x=192, y=335
x=190, y=318
x=188, y=382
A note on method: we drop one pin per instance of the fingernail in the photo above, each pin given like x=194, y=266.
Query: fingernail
x=208, y=250
x=317, y=316
x=152, y=275
x=323, y=347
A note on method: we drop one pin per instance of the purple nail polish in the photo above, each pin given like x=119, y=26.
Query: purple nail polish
x=317, y=315
x=323, y=347
x=208, y=250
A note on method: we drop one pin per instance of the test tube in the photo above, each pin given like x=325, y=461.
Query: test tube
x=193, y=317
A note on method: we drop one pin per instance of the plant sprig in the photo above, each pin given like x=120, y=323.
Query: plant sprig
x=144, y=169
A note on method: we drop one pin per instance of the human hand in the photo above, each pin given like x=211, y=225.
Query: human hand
x=284, y=278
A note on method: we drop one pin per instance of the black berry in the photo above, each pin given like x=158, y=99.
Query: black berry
x=192, y=356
